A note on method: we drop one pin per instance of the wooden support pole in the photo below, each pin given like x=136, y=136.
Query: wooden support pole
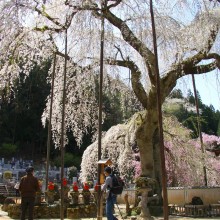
x=160, y=119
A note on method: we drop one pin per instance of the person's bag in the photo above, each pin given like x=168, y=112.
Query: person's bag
x=117, y=184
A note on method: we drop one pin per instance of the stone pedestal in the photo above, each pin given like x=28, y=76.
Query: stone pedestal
x=145, y=214
x=66, y=195
x=86, y=197
x=75, y=198
x=37, y=198
x=144, y=185
x=49, y=197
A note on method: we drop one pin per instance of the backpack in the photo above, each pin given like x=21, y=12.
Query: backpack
x=117, y=184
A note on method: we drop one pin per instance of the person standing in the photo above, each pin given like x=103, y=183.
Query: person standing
x=110, y=197
x=28, y=188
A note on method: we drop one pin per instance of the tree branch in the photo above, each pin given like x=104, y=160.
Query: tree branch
x=89, y=6
x=202, y=68
x=135, y=78
x=117, y=2
x=44, y=14
x=81, y=68
x=194, y=60
x=133, y=41
x=189, y=66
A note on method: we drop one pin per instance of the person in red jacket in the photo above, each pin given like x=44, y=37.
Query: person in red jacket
x=28, y=188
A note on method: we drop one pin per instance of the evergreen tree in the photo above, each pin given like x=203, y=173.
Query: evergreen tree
x=176, y=93
x=208, y=117
x=210, y=125
x=21, y=114
x=190, y=97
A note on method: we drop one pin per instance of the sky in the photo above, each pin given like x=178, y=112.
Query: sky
x=208, y=86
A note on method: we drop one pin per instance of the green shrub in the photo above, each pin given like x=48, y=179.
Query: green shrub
x=8, y=149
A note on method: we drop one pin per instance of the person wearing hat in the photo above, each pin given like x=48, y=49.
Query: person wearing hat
x=28, y=188
x=110, y=197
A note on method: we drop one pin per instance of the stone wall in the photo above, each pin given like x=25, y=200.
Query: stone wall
x=180, y=195
x=184, y=195
x=42, y=211
x=53, y=211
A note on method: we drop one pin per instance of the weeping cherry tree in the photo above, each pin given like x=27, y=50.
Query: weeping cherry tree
x=187, y=42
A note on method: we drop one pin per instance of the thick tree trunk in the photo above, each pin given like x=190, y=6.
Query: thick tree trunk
x=145, y=139
x=148, y=142
x=144, y=135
